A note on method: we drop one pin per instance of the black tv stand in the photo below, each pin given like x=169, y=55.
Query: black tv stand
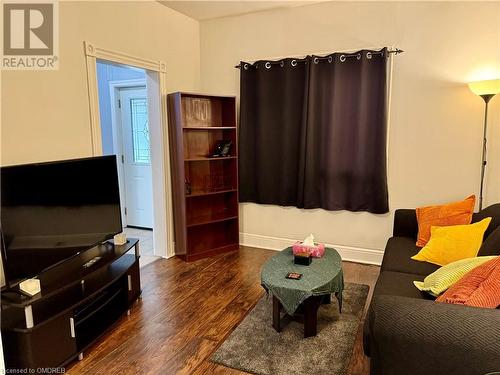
x=76, y=306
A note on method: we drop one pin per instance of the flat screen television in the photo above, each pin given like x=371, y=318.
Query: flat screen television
x=52, y=211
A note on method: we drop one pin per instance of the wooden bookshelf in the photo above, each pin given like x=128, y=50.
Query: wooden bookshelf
x=205, y=188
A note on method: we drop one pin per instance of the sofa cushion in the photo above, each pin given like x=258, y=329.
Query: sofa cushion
x=492, y=211
x=399, y=284
x=397, y=257
x=479, y=288
x=437, y=282
x=455, y=213
x=452, y=243
x=491, y=244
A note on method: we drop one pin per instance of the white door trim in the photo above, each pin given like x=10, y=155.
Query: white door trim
x=156, y=84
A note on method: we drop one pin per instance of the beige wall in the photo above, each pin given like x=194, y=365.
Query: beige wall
x=435, y=134
x=46, y=114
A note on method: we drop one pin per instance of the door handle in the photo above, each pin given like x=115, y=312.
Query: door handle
x=72, y=327
x=129, y=277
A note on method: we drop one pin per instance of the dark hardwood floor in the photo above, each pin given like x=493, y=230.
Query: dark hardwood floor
x=186, y=311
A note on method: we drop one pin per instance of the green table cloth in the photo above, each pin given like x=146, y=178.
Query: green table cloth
x=323, y=276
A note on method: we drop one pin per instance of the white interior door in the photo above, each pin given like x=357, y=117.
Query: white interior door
x=136, y=158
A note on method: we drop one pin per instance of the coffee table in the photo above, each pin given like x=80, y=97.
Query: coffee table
x=319, y=280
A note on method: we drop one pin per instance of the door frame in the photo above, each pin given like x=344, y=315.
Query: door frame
x=116, y=118
x=163, y=236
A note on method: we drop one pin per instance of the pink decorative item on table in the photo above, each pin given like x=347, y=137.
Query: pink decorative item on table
x=308, y=246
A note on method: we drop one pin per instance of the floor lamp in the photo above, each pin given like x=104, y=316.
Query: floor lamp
x=486, y=90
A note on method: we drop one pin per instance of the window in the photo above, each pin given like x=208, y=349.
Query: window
x=140, y=130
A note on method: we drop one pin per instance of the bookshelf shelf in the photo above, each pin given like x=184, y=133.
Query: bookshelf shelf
x=205, y=193
x=207, y=158
x=209, y=128
x=209, y=219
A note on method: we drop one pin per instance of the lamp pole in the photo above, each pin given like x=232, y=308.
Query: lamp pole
x=486, y=90
x=486, y=99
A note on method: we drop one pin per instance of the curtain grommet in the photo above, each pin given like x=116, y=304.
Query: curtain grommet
x=330, y=59
x=293, y=62
x=358, y=56
x=369, y=55
x=267, y=65
x=282, y=63
x=342, y=58
x=316, y=60
x=245, y=66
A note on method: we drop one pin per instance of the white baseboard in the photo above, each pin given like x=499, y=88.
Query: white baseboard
x=348, y=253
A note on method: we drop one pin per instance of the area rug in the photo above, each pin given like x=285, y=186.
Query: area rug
x=255, y=347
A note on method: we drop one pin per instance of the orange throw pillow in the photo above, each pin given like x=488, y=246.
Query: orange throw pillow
x=456, y=213
x=480, y=287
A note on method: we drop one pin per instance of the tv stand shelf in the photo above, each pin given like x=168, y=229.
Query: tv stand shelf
x=70, y=273
x=76, y=306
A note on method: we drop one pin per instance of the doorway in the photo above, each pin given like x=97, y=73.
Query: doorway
x=124, y=118
x=156, y=84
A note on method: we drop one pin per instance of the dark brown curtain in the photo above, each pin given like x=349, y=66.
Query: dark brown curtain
x=272, y=132
x=313, y=132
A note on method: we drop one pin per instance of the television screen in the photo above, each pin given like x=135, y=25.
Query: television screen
x=52, y=211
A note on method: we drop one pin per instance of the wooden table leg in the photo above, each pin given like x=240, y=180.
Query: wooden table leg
x=276, y=314
x=311, y=306
x=327, y=299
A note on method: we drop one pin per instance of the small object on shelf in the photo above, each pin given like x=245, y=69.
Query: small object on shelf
x=188, y=187
x=120, y=239
x=293, y=275
x=222, y=149
x=91, y=262
x=303, y=259
x=30, y=287
x=316, y=250
x=198, y=110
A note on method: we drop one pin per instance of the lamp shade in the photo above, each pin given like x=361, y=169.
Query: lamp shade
x=489, y=87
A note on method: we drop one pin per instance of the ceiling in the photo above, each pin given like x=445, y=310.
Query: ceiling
x=205, y=10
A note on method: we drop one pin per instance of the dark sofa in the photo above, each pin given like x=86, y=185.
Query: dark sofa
x=406, y=332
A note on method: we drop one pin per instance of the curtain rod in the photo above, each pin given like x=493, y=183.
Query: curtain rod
x=395, y=51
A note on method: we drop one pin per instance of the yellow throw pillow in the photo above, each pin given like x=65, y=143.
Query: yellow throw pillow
x=452, y=243
x=440, y=280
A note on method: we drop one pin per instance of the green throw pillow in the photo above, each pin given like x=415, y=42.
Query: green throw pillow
x=440, y=280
